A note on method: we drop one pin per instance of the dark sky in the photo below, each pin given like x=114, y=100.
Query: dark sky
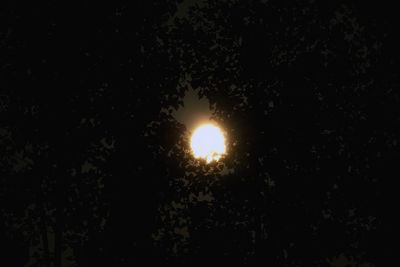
x=97, y=103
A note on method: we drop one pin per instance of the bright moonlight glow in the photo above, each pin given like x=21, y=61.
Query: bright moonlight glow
x=208, y=143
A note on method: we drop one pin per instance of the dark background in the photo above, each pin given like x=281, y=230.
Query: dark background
x=95, y=170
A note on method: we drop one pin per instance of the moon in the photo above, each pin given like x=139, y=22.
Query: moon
x=208, y=143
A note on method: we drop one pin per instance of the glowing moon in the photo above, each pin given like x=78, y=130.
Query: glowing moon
x=208, y=142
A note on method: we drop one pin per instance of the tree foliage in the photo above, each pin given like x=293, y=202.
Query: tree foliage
x=95, y=170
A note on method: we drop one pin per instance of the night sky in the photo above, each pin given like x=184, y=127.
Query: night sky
x=98, y=102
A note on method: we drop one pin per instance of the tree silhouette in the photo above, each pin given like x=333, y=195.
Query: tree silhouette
x=96, y=171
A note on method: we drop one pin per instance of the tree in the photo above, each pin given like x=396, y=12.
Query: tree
x=94, y=165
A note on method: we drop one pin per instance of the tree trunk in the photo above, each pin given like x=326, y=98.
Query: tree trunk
x=58, y=239
x=43, y=232
x=59, y=227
